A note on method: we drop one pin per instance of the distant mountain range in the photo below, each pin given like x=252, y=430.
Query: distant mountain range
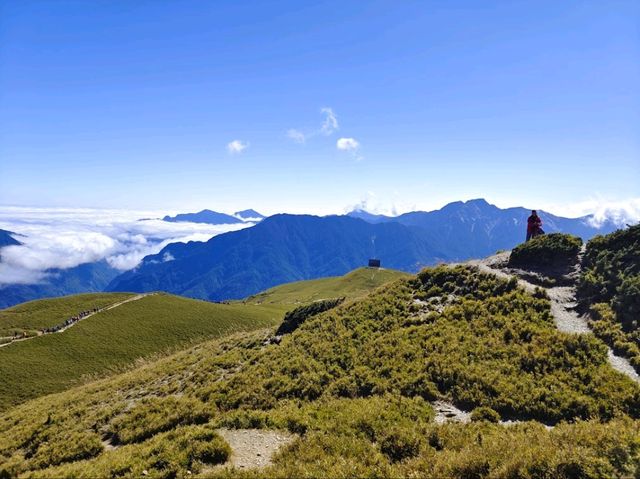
x=204, y=216
x=285, y=248
x=215, y=218
x=476, y=228
x=282, y=248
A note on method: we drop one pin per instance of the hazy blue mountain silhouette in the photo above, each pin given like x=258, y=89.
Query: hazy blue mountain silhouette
x=280, y=249
x=249, y=215
x=475, y=228
x=85, y=278
x=204, y=216
x=7, y=238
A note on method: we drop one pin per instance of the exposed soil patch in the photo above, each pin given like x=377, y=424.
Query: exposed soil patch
x=253, y=448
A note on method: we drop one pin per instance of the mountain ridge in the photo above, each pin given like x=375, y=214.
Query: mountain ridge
x=204, y=216
x=282, y=248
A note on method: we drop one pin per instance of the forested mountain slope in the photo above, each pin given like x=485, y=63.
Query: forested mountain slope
x=280, y=249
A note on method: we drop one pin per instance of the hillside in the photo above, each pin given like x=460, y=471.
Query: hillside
x=110, y=340
x=102, y=342
x=359, y=387
x=352, y=285
x=280, y=249
x=35, y=315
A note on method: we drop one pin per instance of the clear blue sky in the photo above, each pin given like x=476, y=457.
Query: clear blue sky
x=131, y=104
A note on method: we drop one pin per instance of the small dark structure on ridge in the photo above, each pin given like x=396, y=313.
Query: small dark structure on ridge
x=374, y=263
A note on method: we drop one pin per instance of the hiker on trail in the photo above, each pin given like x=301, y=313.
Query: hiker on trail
x=534, y=225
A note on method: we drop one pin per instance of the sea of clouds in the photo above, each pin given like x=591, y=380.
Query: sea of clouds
x=67, y=237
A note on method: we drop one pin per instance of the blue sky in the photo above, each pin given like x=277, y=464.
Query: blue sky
x=132, y=104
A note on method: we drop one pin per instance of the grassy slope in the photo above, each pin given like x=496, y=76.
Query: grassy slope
x=355, y=284
x=35, y=315
x=354, y=382
x=115, y=338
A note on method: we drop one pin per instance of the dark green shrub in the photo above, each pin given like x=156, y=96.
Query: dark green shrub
x=399, y=444
x=293, y=319
x=610, y=280
x=626, y=302
x=555, y=250
x=484, y=413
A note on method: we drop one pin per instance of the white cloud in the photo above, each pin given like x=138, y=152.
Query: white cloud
x=65, y=238
x=237, y=146
x=296, y=135
x=620, y=212
x=330, y=123
x=347, y=144
x=328, y=127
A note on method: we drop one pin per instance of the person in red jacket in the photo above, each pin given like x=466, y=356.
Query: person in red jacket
x=534, y=225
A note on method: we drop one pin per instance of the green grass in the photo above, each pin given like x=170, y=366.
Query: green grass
x=352, y=285
x=44, y=313
x=355, y=383
x=116, y=338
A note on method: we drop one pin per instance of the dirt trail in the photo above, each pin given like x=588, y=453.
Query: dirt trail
x=107, y=308
x=253, y=448
x=563, y=304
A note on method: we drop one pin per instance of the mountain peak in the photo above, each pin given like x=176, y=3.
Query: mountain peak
x=7, y=238
x=249, y=215
x=478, y=202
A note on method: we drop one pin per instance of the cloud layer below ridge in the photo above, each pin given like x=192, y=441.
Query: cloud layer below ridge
x=65, y=238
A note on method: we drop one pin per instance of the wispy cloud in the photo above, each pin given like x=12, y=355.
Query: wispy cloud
x=65, y=238
x=237, y=146
x=330, y=122
x=296, y=135
x=328, y=127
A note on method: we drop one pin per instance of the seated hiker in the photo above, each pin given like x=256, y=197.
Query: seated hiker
x=534, y=225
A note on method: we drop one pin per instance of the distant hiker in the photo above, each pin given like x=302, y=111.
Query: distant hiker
x=534, y=225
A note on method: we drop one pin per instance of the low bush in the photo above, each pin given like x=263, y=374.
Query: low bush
x=400, y=443
x=551, y=251
x=610, y=287
x=484, y=413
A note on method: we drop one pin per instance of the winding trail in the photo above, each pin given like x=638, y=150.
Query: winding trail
x=563, y=304
x=61, y=330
